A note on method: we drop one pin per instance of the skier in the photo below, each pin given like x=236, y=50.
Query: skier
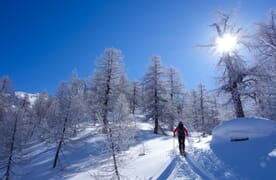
x=181, y=132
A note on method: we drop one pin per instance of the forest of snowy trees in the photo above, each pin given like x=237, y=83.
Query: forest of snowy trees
x=110, y=101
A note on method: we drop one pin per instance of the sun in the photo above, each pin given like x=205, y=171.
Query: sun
x=226, y=44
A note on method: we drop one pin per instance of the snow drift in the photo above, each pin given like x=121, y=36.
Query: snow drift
x=253, y=158
x=243, y=128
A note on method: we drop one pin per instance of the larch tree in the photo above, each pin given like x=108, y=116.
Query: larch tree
x=93, y=98
x=214, y=115
x=192, y=110
x=234, y=71
x=155, y=92
x=202, y=106
x=135, y=96
x=208, y=110
x=5, y=96
x=13, y=133
x=265, y=68
x=39, y=115
x=201, y=110
x=111, y=89
x=120, y=132
x=79, y=107
x=106, y=83
x=174, y=98
x=59, y=125
x=67, y=112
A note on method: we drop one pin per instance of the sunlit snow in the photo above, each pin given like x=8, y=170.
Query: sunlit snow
x=157, y=156
x=272, y=153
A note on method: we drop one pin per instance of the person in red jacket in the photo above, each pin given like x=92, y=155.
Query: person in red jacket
x=182, y=132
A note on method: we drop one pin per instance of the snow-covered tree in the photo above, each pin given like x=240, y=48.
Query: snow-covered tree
x=66, y=113
x=39, y=114
x=5, y=96
x=214, y=115
x=155, y=92
x=234, y=72
x=13, y=135
x=120, y=132
x=202, y=105
x=5, y=85
x=92, y=98
x=79, y=107
x=208, y=110
x=110, y=90
x=124, y=86
x=135, y=96
x=173, y=110
x=60, y=123
x=191, y=109
x=106, y=83
x=265, y=70
x=201, y=109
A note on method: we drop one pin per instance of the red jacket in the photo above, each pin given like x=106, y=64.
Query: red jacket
x=185, y=131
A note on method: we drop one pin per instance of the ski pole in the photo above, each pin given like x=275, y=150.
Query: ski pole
x=173, y=146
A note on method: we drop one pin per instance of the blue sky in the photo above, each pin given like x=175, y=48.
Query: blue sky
x=41, y=42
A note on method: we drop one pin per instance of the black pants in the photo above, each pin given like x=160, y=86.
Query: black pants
x=181, y=142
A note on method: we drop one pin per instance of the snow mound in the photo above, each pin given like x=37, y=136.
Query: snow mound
x=248, y=145
x=243, y=129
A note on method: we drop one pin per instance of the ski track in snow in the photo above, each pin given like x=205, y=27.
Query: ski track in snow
x=167, y=172
x=198, y=170
x=184, y=168
x=200, y=163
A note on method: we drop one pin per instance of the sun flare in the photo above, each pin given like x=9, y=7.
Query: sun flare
x=226, y=44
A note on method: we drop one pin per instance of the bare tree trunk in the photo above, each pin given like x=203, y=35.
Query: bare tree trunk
x=155, y=124
x=114, y=154
x=57, y=154
x=60, y=143
x=237, y=101
x=106, y=101
x=134, y=99
x=201, y=108
x=171, y=97
x=155, y=100
x=11, y=150
x=155, y=112
x=13, y=141
x=234, y=89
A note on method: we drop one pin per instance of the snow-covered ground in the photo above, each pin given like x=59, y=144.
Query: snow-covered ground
x=253, y=158
x=157, y=157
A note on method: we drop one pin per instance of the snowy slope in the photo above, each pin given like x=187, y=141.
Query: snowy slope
x=157, y=157
x=145, y=160
x=253, y=158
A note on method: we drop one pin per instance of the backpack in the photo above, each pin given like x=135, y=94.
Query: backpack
x=181, y=131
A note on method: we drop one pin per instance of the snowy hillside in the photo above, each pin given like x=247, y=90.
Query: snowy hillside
x=157, y=157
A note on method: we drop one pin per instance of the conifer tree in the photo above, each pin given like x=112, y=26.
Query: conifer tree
x=155, y=92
